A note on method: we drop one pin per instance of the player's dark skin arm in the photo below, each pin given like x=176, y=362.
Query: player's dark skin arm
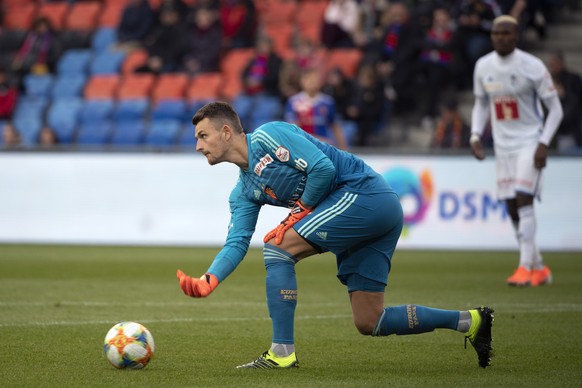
x=477, y=150
x=541, y=156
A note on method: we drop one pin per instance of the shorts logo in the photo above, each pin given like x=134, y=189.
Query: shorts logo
x=322, y=235
x=282, y=154
x=263, y=162
x=270, y=192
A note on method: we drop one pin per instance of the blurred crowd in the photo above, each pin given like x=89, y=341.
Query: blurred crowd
x=416, y=59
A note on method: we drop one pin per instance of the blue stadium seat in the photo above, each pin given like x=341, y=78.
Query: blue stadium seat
x=103, y=39
x=130, y=132
x=265, y=110
x=187, y=138
x=63, y=117
x=29, y=129
x=69, y=85
x=107, y=62
x=169, y=109
x=131, y=109
x=75, y=61
x=96, y=110
x=38, y=85
x=163, y=132
x=95, y=133
x=30, y=106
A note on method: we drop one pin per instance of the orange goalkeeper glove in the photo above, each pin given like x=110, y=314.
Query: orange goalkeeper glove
x=298, y=212
x=197, y=287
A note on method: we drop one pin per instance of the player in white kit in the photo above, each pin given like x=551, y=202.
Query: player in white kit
x=509, y=86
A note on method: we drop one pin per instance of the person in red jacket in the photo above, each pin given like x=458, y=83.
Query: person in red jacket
x=8, y=96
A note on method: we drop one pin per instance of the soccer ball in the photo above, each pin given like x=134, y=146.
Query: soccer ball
x=128, y=345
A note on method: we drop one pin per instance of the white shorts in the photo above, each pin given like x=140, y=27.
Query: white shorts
x=516, y=173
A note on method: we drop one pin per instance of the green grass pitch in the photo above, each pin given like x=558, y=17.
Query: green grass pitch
x=57, y=303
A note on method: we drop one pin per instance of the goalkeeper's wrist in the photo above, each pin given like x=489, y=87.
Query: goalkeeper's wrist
x=475, y=138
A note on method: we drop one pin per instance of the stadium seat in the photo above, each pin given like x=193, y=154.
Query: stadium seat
x=55, y=12
x=38, y=85
x=169, y=109
x=277, y=12
x=95, y=133
x=134, y=60
x=130, y=132
x=186, y=137
x=111, y=14
x=170, y=87
x=101, y=87
x=231, y=67
x=347, y=60
x=282, y=36
x=107, y=62
x=63, y=117
x=131, y=109
x=19, y=16
x=74, y=62
x=103, y=39
x=96, y=110
x=83, y=16
x=134, y=86
x=69, y=86
x=31, y=106
x=266, y=109
x=309, y=19
x=163, y=132
x=204, y=87
x=28, y=128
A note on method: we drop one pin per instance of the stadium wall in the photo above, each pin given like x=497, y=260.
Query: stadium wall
x=177, y=199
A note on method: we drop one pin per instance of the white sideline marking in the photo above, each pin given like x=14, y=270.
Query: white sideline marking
x=172, y=320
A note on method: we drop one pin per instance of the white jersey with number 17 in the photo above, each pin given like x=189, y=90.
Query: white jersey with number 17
x=514, y=85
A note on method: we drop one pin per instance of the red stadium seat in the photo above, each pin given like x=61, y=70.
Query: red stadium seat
x=102, y=87
x=19, y=16
x=83, y=16
x=347, y=60
x=231, y=67
x=136, y=86
x=204, y=86
x=170, y=87
x=276, y=12
x=111, y=14
x=55, y=12
x=282, y=36
x=134, y=60
x=309, y=19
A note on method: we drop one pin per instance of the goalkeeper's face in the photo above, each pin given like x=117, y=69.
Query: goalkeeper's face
x=212, y=141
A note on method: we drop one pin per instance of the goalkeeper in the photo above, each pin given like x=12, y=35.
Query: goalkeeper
x=338, y=204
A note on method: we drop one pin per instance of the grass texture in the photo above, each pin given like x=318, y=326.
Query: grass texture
x=57, y=303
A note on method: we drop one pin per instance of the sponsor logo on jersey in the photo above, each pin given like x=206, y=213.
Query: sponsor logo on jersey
x=282, y=154
x=322, y=235
x=263, y=162
x=270, y=192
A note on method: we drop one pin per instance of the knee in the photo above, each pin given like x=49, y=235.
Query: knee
x=365, y=326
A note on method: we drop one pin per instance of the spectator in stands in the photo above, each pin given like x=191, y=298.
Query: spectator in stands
x=569, y=87
x=340, y=21
x=260, y=80
x=204, y=55
x=339, y=87
x=436, y=59
x=308, y=55
x=179, y=6
x=239, y=23
x=8, y=96
x=136, y=22
x=368, y=26
x=315, y=112
x=366, y=106
x=289, y=76
x=451, y=132
x=47, y=137
x=10, y=136
x=475, y=19
x=166, y=45
x=39, y=51
x=396, y=56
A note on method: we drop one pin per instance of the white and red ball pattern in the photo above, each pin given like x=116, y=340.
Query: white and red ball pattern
x=129, y=345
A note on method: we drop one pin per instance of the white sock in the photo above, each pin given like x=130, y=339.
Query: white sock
x=538, y=262
x=464, y=321
x=282, y=350
x=527, y=232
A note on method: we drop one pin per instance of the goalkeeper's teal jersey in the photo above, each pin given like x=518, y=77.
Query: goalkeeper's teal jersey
x=285, y=164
